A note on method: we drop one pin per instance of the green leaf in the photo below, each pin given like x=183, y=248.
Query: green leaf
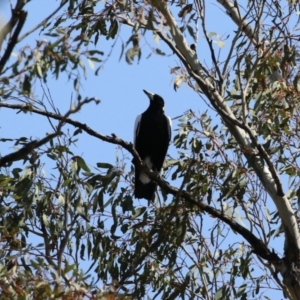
x=191, y=32
x=100, y=200
x=159, y=52
x=173, y=70
x=77, y=131
x=221, y=44
x=179, y=79
x=91, y=64
x=219, y=294
x=83, y=165
x=113, y=29
x=124, y=228
x=26, y=85
x=170, y=162
x=93, y=52
x=67, y=182
x=104, y=165
x=39, y=70
x=185, y=10
x=132, y=53
x=46, y=220
x=82, y=249
x=127, y=204
x=139, y=212
x=211, y=34
x=122, y=51
x=241, y=290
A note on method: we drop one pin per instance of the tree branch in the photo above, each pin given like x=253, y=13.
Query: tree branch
x=14, y=39
x=26, y=150
x=234, y=14
x=267, y=175
x=42, y=22
x=35, y=144
x=8, y=27
x=258, y=246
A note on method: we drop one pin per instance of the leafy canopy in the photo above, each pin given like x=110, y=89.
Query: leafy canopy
x=221, y=210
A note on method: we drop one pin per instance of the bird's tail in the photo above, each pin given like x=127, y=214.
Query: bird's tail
x=144, y=190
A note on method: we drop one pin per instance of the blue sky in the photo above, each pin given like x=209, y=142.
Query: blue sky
x=119, y=86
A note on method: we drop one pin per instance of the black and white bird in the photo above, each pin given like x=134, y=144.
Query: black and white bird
x=152, y=135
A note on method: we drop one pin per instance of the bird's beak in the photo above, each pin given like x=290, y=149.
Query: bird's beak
x=150, y=95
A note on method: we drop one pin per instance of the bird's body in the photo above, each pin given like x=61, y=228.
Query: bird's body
x=152, y=134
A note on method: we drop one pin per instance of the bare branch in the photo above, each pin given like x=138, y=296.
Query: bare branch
x=234, y=13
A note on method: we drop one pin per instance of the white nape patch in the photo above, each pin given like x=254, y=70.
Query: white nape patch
x=136, y=128
x=143, y=177
x=169, y=127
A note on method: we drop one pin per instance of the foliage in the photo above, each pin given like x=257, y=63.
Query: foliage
x=211, y=232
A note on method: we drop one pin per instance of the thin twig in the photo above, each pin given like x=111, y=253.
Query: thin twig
x=42, y=22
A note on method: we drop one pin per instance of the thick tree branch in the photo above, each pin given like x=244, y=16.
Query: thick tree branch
x=267, y=174
x=110, y=139
x=234, y=14
x=231, y=119
x=20, y=154
x=258, y=246
x=261, y=150
x=14, y=39
x=8, y=27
